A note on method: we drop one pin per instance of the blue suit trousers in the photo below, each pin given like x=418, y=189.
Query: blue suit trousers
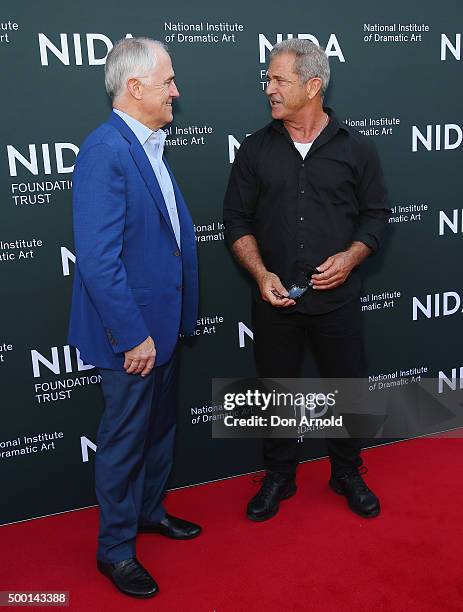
x=134, y=454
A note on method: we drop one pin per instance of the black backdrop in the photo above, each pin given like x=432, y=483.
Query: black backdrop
x=404, y=91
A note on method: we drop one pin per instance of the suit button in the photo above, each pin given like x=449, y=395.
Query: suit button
x=179, y=287
x=176, y=253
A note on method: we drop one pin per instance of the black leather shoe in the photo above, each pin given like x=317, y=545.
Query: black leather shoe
x=130, y=577
x=276, y=486
x=359, y=497
x=173, y=527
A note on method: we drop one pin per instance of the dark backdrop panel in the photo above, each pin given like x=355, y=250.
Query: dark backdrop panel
x=408, y=89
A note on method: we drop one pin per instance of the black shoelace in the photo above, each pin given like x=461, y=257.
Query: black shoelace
x=268, y=485
x=355, y=477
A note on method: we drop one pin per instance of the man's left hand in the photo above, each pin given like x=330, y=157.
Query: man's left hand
x=337, y=268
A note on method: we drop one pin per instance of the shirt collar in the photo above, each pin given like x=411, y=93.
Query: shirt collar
x=333, y=126
x=144, y=134
x=141, y=131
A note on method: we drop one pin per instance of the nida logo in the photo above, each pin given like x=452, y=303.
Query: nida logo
x=332, y=47
x=437, y=137
x=233, y=146
x=453, y=382
x=452, y=222
x=75, y=49
x=437, y=305
x=61, y=359
x=45, y=158
x=449, y=49
x=66, y=257
x=85, y=445
x=243, y=331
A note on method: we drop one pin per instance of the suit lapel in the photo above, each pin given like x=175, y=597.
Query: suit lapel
x=143, y=164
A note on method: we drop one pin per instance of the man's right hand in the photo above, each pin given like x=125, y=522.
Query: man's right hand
x=246, y=251
x=273, y=292
x=140, y=359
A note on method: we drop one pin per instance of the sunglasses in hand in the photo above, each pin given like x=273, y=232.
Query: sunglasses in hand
x=300, y=286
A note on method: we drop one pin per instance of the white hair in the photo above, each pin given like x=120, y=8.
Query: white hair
x=310, y=60
x=129, y=58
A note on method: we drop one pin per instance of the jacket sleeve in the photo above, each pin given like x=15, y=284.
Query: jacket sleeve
x=99, y=208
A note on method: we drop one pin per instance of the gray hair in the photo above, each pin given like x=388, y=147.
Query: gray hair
x=130, y=57
x=310, y=60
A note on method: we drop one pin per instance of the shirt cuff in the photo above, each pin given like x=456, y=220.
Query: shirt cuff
x=370, y=241
x=235, y=233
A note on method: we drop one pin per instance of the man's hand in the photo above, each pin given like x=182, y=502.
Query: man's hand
x=272, y=291
x=337, y=268
x=247, y=253
x=140, y=359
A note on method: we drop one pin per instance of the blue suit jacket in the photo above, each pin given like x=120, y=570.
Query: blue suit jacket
x=131, y=280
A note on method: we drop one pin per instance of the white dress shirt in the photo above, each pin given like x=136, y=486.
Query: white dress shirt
x=153, y=144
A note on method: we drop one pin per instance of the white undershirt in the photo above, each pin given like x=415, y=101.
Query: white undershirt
x=303, y=148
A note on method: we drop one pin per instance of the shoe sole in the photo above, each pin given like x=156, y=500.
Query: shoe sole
x=110, y=578
x=359, y=512
x=260, y=519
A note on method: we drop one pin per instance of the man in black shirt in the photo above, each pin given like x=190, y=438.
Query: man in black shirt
x=305, y=205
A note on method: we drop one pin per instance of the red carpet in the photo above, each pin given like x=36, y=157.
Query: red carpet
x=314, y=555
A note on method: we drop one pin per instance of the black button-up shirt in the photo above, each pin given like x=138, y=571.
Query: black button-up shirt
x=301, y=211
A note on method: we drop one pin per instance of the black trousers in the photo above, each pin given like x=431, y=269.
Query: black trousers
x=336, y=342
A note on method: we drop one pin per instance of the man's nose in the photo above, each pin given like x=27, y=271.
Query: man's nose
x=173, y=91
x=270, y=88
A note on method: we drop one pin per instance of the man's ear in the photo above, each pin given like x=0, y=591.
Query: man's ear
x=134, y=87
x=313, y=87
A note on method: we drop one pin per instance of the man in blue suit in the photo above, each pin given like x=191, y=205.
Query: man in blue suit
x=135, y=290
